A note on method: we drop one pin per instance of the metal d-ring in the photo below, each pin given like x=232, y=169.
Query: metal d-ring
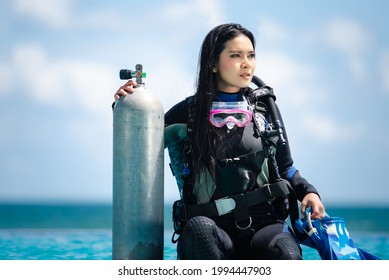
x=243, y=228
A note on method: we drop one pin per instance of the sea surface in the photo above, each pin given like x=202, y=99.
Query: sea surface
x=84, y=232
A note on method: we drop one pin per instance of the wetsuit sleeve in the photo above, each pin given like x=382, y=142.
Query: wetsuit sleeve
x=287, y=171
x=178, y=113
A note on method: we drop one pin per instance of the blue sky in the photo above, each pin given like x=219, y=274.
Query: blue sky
x=328, y=62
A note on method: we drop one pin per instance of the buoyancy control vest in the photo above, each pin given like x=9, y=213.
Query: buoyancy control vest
x=246, y=171
x=243, y=162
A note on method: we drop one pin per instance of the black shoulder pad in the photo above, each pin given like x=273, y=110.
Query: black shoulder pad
x=263, y=92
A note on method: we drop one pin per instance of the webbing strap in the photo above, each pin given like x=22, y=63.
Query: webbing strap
x=254, y=197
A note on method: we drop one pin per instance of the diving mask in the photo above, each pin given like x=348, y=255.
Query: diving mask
x=230, y=114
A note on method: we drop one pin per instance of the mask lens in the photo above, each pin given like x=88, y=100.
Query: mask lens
x=231, y=113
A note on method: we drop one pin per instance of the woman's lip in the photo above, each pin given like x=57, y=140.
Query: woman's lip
x=245, y=76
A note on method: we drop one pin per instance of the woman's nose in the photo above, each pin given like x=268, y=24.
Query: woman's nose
x=246, y=63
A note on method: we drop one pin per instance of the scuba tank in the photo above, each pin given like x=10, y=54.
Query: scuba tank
x=138, y=173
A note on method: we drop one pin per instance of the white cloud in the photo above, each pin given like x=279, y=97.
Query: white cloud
x=61, y=14
x=107, y=19
x=170, y=89
x=92, y=83
x=326, y=129
x=202, y=11
x=56, y=13
x=285, y=74
x=301, y=92
x=271, y=30
x=346, y=35
x=351, y=39
x=41, y=78
x=63, y=82
x=298, y=82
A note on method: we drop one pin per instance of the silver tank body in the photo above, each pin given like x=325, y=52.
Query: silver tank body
x=138, y=177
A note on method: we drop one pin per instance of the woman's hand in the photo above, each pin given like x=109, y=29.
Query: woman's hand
x=126, y=89
x=313, y=200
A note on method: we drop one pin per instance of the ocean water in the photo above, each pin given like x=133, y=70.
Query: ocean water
x=83, y=232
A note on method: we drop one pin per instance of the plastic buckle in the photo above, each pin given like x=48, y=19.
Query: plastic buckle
x=225, y=205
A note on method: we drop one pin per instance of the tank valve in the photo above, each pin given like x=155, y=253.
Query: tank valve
x=126, y=74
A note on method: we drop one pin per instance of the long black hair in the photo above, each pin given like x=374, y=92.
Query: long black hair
x=203, y=142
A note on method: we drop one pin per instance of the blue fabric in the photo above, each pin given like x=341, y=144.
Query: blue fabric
x=229, y=97
x=330, y=237
x=290, y=173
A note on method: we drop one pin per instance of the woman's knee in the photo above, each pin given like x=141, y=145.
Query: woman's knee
x=202, y=239
x=199, y=226
x=288, y=249
x=275, y=242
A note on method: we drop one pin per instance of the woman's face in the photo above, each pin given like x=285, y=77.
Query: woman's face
x=236, y=65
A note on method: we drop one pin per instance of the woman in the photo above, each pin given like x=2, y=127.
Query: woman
x=235, y=178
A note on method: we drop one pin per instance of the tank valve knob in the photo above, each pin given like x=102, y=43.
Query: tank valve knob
x=138, y=74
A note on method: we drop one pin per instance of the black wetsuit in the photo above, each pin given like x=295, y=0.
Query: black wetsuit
x=219, y=237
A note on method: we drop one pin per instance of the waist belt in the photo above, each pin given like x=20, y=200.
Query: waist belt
x=226, y=205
